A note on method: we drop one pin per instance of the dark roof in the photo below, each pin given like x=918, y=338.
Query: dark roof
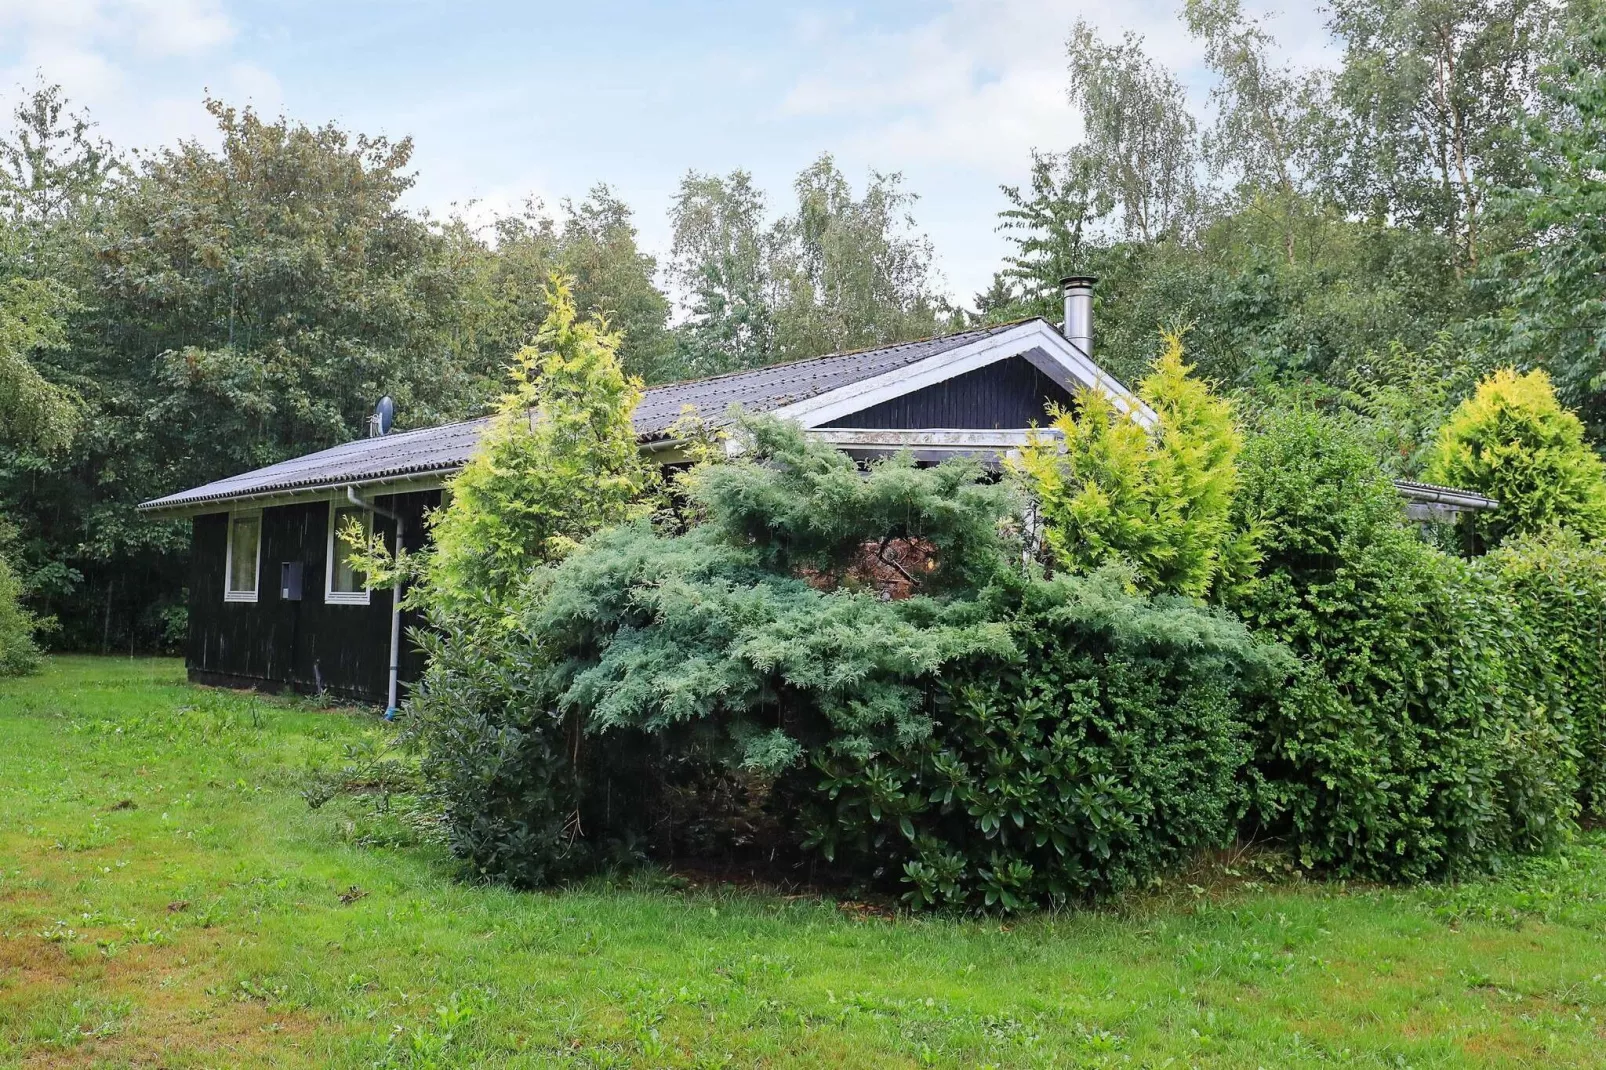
x=445, y=449
x=1435, y=493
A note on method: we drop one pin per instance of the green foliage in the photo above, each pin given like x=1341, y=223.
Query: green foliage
x=1156, y=499
x=1100, y=751
x=236, y=303
x=1012, y=740
x=1426, y=107
x=558, y=461
x=1548, y=288
x=18, y=654
x=1513, y=441
x=594, y=244
x=34, y=412
x=1141, y=141
x=495, y=756
x=1558, y=581
x=722, y=258
x=841, y=272
x=1421, y=736
x=642, y=631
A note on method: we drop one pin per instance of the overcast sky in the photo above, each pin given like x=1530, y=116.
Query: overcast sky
x=508, y=99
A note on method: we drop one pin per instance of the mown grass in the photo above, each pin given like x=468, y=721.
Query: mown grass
x=167, y=898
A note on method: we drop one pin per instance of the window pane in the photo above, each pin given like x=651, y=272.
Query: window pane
x=243, y=553
x=347, y=580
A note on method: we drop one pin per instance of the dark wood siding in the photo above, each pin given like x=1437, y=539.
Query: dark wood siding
x=308, y=645
x=1007, y=395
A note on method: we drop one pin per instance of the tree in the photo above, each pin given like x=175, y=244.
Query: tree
x=34, y=412
x=1052, y=230
x=842, y=272
x=506, y=265
x=1548, y=289
x=1513, y=441
x=1138, y=135
x=559, y=461
x=53, y=177
x=51, y=166
x=1157, y=500
x=240, y=305
x=1431, y=93
x=849, y=272
x=721, y=261
x=1267, y=115
x=613, y=278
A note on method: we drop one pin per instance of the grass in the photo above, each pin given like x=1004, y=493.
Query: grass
x=167, y=898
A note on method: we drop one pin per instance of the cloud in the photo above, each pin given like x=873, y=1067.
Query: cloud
x=977, y=85
x=981, y=82
x=140, y=67
x=157, y=28
x=959, y=100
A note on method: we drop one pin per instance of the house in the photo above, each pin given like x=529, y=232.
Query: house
x=273, y=605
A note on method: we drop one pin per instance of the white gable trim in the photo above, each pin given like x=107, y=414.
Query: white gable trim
x=1019, y=341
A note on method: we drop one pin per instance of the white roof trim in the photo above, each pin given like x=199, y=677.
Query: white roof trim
x=1018, y=341
x=929, y=438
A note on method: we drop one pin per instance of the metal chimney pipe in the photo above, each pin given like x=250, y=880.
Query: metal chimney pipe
x=1078, y=329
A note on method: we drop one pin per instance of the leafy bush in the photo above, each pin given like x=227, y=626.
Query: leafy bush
x=1559, y=582
x=1156, y=499
x=1513, y=441
x=1102, y=749
x=1421, y=736
x=18, y=654
x=1083, y=736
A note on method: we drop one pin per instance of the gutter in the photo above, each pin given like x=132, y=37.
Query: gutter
x=1461, y=499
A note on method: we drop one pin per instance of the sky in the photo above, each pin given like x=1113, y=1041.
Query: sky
x=509, y=100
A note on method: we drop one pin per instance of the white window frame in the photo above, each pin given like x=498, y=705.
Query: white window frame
x=228, y=559
x=330, y=595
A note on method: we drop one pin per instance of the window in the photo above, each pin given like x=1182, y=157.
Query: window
x=242, y=562
x=344, y=585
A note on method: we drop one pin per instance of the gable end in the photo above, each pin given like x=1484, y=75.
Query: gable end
x=1007, y=394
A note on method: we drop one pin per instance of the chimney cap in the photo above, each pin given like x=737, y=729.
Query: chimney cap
x=1078, y=280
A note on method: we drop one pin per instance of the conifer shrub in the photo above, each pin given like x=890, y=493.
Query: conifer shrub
x=1514, y=441
x=1158, y=499
x=1101, y=749
x=1423, y=735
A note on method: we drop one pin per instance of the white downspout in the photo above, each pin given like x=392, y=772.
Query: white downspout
x=395, y=602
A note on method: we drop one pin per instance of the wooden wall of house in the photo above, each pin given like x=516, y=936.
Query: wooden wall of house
x=306, y=646
x=1007, y=395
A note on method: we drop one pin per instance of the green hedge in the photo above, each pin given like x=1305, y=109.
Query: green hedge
x=1103, y=750
x=1558, y=582
x=965, y=732
x=1423, y=735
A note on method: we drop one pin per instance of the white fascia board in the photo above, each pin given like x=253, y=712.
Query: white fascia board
x=856, y=397
x=930, y=438
x=383, y=486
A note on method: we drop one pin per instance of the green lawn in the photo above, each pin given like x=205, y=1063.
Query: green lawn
x=168, y=899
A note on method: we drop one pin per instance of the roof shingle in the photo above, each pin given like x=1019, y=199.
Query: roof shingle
x=446, y=448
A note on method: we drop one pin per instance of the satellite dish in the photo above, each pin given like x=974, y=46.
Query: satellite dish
x=384, y=415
